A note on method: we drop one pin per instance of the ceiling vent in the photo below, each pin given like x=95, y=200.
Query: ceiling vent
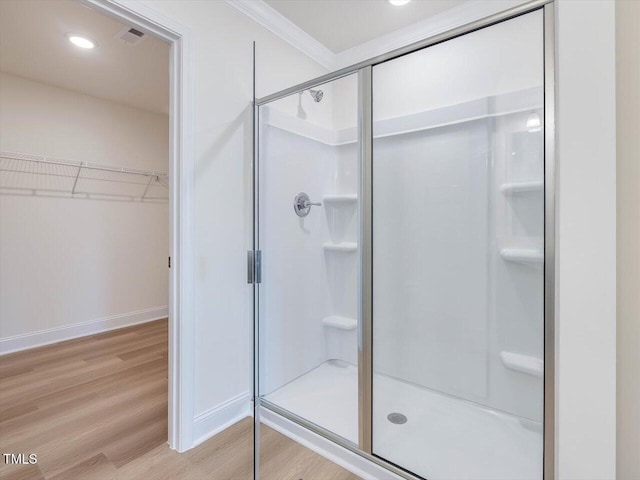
x=131, y=36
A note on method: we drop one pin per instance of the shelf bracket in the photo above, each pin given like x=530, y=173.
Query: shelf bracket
x=148, y=185
x=73, y=190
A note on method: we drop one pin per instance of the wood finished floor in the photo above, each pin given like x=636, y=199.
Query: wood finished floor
x=95, y=408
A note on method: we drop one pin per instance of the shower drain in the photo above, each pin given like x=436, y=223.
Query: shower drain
x=397, y=418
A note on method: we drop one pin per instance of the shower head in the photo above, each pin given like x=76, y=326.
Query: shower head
x=316, y=94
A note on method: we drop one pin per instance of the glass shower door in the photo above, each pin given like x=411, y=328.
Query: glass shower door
x=307, y=228
x=458, y=249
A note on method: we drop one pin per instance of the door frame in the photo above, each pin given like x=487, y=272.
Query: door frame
x=363, y=70
x=181, y=212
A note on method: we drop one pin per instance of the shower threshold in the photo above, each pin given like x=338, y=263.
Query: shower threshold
x=443, y=437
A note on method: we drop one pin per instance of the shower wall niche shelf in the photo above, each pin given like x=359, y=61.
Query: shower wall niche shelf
x=521, y=187
x=34, y=174
x=339, y=322
x=522, y=255
x=523, y=363
x=341, y=198
x=340, y=247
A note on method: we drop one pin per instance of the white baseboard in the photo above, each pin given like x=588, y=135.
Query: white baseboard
x=90, y=327
x=348, y=460
x=221, y=417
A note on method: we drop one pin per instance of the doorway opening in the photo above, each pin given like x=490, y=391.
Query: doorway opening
x=90, y=141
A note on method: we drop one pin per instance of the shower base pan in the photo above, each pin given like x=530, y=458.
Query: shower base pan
x=442, y=438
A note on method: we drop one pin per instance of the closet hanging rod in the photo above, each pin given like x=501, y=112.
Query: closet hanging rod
x=72, y=163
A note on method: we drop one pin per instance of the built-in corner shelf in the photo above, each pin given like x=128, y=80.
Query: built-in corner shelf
x=522, y=255
x=521, y=187
x=523, y=363
x=346, y=198
x=346, y=247
x=341, y=323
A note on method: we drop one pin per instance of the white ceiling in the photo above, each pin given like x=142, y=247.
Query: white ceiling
x=343, y=24
x=33, y=45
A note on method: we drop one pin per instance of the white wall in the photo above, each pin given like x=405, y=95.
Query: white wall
x=463, y=69
x=223, y=89
x=71, y=260
x=586, y=240
x=628, y=127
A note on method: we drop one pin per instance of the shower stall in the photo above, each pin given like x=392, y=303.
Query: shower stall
x=403, y=262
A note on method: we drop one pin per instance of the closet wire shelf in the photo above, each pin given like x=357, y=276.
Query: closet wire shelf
x=38, y=175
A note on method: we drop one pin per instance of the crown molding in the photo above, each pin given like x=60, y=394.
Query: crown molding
x=465, y=13
x=279, y=25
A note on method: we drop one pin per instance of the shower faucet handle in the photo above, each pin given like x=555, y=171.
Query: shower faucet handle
x=302, y=204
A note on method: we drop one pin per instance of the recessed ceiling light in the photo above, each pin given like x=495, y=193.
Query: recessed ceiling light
x=398, y=3
x=80, y=41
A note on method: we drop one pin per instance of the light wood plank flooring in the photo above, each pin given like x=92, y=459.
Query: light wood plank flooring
x=95, y=408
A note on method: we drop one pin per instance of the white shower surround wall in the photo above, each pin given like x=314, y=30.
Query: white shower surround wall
x=312, y=268
x=313, y=145
x=447, y=304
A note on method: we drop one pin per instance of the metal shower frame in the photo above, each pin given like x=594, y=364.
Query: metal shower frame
x=365, y=138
